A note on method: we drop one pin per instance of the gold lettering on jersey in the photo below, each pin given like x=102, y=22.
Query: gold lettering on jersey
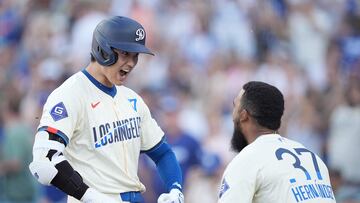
x=117, y=131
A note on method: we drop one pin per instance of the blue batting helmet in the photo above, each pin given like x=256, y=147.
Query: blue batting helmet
x=120, y=33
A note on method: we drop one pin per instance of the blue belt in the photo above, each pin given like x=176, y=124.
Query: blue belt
x=133, y=197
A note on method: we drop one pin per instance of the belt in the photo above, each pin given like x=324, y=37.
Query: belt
x=133, y=197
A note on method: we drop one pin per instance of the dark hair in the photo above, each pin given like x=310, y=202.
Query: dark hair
x=264, y=102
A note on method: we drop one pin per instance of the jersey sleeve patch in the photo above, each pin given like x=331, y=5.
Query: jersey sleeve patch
x=224, y=187
x=58, y=112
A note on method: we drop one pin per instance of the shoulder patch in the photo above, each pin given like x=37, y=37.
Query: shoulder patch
x=224, y=188
x=58, y=112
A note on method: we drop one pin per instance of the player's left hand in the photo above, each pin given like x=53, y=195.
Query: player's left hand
x=174, y=196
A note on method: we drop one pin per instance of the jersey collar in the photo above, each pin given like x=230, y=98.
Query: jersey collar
x=107, y=90
x=268, y=136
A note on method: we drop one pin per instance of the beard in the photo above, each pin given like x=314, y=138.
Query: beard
x=238, y=141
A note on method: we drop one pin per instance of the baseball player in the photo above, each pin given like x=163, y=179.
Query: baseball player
x=269, y=167
x=93, y=128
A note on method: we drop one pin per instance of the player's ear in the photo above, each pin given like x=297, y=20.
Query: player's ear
x=244, y=115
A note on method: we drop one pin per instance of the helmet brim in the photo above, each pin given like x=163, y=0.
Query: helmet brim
x=132, y=47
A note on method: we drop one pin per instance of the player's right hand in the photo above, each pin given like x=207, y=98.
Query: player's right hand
x=93, y=196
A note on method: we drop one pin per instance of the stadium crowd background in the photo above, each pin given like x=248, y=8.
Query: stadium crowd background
x=205, y=51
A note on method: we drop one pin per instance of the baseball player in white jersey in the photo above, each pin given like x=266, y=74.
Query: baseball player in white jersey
x=93, y=128
x=269, y=167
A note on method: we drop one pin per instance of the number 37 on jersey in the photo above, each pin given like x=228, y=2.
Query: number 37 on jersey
x=307, y=184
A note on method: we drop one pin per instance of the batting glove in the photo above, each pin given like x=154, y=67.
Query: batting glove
x=174, y=196
x=93, y=196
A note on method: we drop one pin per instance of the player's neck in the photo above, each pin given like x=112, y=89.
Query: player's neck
x=264, y=131
x=95, y=70
x=257, y=131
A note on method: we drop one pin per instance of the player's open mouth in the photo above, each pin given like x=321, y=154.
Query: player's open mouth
x=124, y=72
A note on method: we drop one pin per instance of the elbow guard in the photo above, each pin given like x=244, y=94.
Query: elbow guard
x=50, y=167
x=42, y=167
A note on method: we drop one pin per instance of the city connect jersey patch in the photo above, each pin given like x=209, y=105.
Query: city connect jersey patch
x=58, y=112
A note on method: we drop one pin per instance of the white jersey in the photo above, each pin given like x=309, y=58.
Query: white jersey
x=105, y=130
x=275, y=169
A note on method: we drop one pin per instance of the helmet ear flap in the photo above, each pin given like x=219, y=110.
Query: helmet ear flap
x=104, y=55
x=102, y=52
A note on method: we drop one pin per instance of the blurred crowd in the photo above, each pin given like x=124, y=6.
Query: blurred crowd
x=205, y=50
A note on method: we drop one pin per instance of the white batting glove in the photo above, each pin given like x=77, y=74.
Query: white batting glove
x=174, y=196
x=93, y=196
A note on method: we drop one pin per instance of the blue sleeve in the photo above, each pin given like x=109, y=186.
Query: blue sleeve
x=167, y=165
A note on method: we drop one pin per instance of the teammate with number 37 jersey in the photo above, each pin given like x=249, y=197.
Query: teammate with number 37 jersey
x=269, y=167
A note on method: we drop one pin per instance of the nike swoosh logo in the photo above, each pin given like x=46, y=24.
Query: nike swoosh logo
x=94, y=105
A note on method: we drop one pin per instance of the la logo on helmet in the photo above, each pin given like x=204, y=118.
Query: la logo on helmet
x=140, y=33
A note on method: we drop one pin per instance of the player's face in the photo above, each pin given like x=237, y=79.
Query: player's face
x=117, y=73
x=238, y=141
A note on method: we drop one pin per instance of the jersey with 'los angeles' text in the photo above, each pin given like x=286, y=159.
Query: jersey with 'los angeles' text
x=105, y=130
